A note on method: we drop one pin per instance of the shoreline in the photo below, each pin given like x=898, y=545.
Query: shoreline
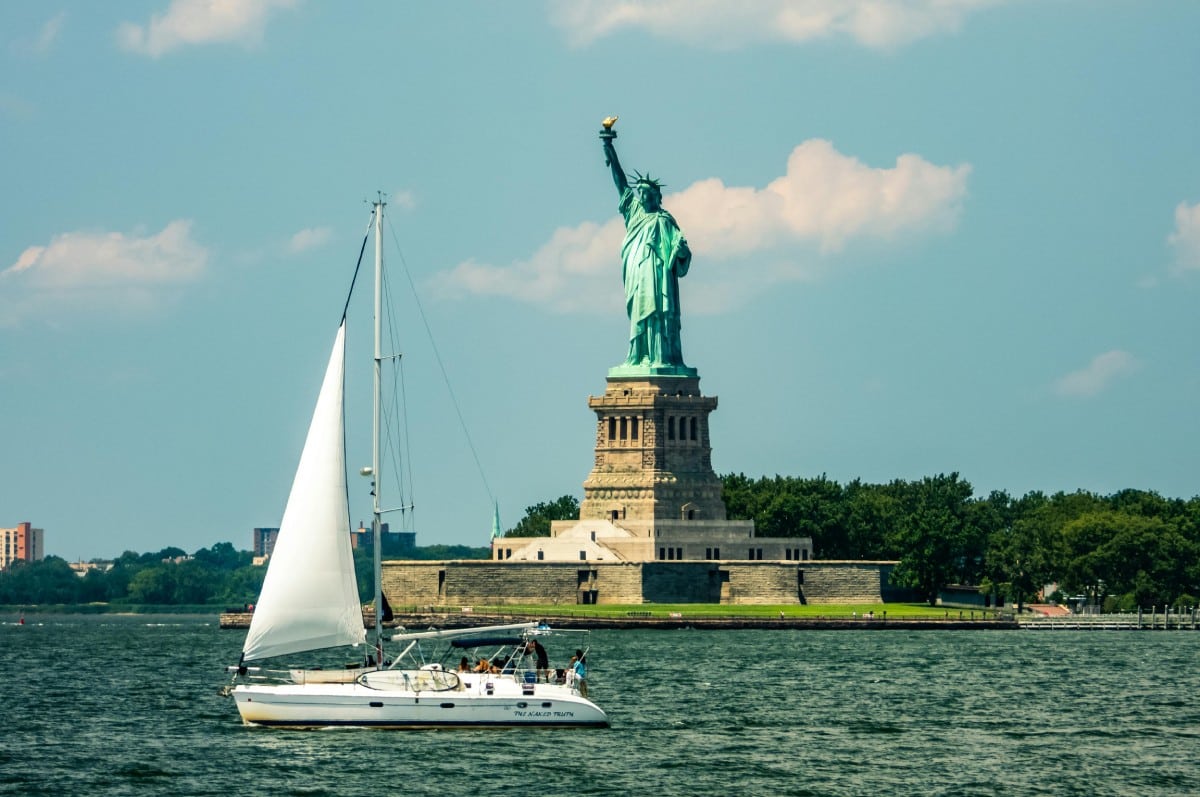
x=446, y=620
x=414, y=621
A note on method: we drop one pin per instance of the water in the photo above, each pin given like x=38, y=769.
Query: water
x=129, y=705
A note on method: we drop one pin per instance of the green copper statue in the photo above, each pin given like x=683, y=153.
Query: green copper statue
x=654, y=256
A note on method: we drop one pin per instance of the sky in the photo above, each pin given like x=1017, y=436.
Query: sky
x=928, y=237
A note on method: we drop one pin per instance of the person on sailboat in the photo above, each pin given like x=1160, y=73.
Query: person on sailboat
x=540, y=657
x=580, y=669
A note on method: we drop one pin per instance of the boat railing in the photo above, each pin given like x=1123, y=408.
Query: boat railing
x=528, y=678
x=523, y=670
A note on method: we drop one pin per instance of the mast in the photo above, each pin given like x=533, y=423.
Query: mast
x=376, y=525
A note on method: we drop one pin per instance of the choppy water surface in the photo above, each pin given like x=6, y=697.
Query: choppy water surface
x=125, y=705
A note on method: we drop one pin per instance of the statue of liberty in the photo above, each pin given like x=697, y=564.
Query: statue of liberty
x=654, y=256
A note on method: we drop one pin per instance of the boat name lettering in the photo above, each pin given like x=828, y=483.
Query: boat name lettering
x=555, y=714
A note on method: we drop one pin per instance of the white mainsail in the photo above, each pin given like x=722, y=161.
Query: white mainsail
x=309, y=599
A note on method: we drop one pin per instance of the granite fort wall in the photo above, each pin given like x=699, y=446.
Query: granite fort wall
x=763, y=582
x=849, y=582
x=488, y=582
x=680, y=582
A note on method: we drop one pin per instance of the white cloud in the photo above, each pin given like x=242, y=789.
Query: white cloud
x=1185, y=240
x=101, y=270
x=880, y=24
x=200, y=22
x=565, y=274
x=49, y=33
x=404, y=199
x=310, y=238
x=823, y=201
x=1097, y=375
x=824, y=197
x=44, y=41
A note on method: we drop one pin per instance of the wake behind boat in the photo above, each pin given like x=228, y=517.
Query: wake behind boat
x=309, y=602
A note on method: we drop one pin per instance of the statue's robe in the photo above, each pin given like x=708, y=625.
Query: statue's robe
x=654, y=256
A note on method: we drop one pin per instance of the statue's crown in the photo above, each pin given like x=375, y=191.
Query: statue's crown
x=646, y=179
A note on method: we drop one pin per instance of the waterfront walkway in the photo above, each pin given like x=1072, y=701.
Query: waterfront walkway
x=1113, y=622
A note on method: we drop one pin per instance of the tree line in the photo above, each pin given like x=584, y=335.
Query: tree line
x=1121, y=551
x=219, y=576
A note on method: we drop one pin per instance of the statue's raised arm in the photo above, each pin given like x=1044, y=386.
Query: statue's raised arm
x=607, y=134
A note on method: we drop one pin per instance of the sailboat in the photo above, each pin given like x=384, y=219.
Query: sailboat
x=483, y=676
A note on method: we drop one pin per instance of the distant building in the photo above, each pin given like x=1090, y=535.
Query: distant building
x=689, y=541
x=23, y=543
x=264, y=541
x=395, y=543
x=83, y=568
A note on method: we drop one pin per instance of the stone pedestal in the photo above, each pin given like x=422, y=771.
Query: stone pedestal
x=653, y=455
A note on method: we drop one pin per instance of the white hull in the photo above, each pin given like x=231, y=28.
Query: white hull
x=473, y=700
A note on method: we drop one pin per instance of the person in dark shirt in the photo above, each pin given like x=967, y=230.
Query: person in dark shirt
x=542, y=659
